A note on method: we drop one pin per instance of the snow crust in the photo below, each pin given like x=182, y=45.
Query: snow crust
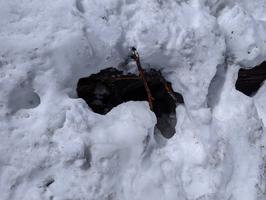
x=54, y=147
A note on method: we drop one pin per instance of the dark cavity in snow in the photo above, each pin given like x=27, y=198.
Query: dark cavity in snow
x=110, y=87
x=23, y=97
x=250, y=80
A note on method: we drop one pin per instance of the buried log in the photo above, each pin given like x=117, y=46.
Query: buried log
x=250, y=80
x=110, y=87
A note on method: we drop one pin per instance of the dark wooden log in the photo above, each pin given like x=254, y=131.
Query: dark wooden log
x=250, y=80
x=110, y=87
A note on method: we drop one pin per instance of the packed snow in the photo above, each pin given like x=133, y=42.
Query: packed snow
x=53, y=147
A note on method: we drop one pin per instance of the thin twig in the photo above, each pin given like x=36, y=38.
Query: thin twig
x=135, y=56
x=168, y=89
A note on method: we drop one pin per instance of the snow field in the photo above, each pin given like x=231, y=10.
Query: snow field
x=54, y=147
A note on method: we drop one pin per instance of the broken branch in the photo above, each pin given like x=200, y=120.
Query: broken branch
x=135, y=56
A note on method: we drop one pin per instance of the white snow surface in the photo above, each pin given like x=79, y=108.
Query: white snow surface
x=53, y=147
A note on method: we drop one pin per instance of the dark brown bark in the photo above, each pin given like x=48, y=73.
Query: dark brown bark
x=250, y=80
x=110, y=87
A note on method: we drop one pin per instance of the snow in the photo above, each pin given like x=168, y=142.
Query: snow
x=54, y=147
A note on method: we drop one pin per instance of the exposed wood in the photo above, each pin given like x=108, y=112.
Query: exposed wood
x=110, y=87
x=250, y=80
x=115, y=88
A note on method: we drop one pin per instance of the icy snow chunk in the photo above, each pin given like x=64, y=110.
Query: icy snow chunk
x=245, y=37
x=128, y=115
x=259, y=99
x=117, y=143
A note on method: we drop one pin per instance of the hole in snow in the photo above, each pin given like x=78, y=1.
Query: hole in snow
x=250, y=80
x=49, y=182
x=110, y=87
x=23, y=97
